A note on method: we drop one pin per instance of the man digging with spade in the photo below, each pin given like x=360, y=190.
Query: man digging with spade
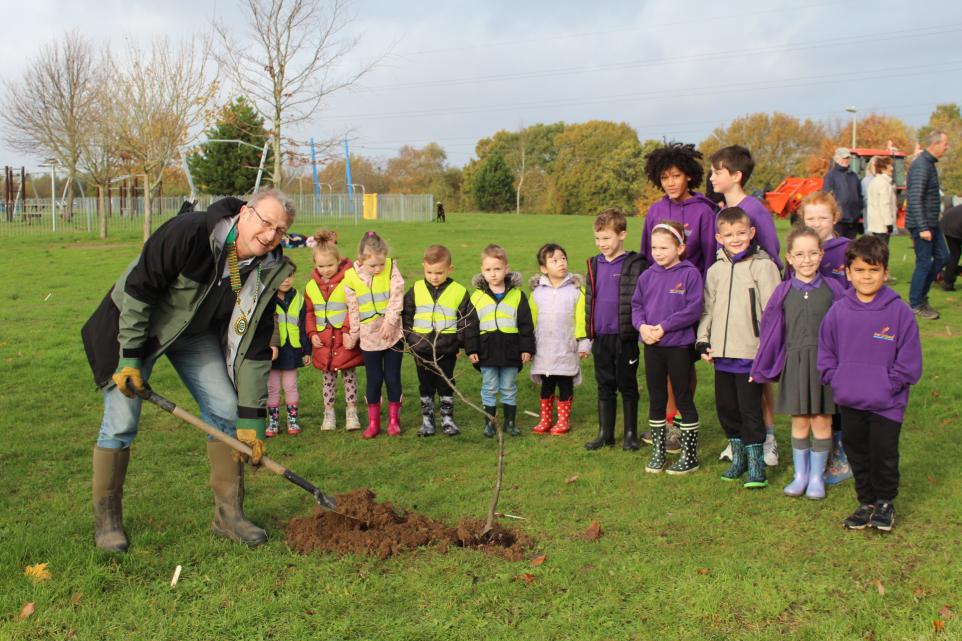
x=202, y=293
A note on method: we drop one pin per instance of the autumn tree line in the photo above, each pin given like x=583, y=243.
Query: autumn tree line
x=101, y=115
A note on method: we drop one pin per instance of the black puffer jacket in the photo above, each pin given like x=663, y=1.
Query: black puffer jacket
x=632, y=268
x=922, y=198
x=498, y=349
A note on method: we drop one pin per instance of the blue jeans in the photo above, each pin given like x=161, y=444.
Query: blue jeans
x=930, y=257
x=199, y=361
x=499, y=379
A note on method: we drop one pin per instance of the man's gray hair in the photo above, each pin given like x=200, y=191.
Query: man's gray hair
x=934, y=136
x=277, y=195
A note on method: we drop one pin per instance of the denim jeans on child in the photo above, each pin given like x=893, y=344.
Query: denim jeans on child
x=199, y=361
x=499, y=379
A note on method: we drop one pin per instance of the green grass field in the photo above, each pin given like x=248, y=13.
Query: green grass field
x=679, y=558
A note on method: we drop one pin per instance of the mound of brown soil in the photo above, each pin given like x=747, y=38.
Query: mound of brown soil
x=378, y=529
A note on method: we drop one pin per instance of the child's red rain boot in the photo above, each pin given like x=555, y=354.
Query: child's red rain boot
x=547, y=406
x=564, y=418
x=394, y=419
x=373, y=420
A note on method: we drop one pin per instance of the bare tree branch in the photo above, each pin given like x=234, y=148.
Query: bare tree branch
x=292, y=59
x=432, y=363
x=51, y=107
x=161, y=101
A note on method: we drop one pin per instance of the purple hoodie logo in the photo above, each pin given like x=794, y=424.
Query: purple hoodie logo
x=884, y=334
x=677, y=289
x=839, y=271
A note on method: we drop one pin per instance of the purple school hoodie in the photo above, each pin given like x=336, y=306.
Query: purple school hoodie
x=833, y=262
x=607, y=294
x=697, y=214
x=869, y=353
x=764, y=224
x=671, y=298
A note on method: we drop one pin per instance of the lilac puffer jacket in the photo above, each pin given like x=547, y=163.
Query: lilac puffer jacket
x=559, y=328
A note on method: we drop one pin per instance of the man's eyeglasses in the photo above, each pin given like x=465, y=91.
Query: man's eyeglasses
x=267, y=226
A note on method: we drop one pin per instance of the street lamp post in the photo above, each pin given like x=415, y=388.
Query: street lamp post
x=852, y=110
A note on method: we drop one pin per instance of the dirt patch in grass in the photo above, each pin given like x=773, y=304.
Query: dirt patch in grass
x=378, y=529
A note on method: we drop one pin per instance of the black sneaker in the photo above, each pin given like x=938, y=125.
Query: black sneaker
x=884, y=517
x=948, y=287
x=860, y=518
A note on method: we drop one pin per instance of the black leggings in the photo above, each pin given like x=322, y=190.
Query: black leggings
x=661, y=365
x=565, y=385
x=955, y=253
x=383, y=367
x=431, y=383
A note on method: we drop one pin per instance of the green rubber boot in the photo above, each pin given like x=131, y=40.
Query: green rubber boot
x=739, y=464
x=756, y=466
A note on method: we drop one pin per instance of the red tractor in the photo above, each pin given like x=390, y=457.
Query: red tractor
x=784, y=200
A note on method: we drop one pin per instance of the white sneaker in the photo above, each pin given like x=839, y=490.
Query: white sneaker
x=726, y=454
x=330, y=422
x=352, y=421
x=770, y=450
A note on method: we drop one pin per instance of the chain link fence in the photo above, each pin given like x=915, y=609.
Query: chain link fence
x=34, y=216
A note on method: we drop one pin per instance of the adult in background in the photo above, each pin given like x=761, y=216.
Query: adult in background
x=870, y=173
x=951, y=225
x=441, y=217
x=922, y=220
x=882, y=208
x=843, y=183
x=201, y=292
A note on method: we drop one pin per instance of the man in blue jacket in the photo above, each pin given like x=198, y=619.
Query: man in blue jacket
x=844, y=184
x=922, y=207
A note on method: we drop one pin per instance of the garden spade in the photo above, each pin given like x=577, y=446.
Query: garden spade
x=325, y=501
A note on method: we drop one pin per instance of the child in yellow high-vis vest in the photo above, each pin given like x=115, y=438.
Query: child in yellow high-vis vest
x=436, y=313
x=329, y=329
x=374, y=289
x=500, y=338
x=293, y=351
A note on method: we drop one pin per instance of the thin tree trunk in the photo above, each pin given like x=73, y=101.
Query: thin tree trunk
x=101, y=212
x=493, y=508
x=147, y=208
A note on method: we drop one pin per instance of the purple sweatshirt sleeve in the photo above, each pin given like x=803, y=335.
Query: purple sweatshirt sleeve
x=690, y=314
x=767, y=238
x=645, y=249
x=638, y=303
x=827, y=347
x=770, y=358
x=907, y=368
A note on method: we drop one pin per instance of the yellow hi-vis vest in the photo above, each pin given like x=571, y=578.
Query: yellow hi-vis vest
x=372, y=300
x=497, y=316
x=440, y=316
x=288, y=323
x=332, y=311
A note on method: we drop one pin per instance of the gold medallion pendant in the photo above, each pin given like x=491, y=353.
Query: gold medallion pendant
x=240, y=325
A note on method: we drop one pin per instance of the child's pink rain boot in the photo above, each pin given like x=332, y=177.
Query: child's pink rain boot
x=394, y=419
x=373, y=420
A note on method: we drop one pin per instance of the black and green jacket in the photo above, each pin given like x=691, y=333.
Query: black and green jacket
x=175, y=285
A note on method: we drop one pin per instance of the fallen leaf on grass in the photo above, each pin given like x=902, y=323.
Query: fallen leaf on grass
x=538, y=560
x=571, y=479
x=919, y=592
x=593, y=533
x=75, y=599
x=931, y=479
x=939, y=625
x=27, y=609
x=526, y=577
x=703, y=571
x=946, y=612
x=878, y=586
x=936, y=393
x=37, y=573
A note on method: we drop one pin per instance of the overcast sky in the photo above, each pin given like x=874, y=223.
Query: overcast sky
x=457, y=71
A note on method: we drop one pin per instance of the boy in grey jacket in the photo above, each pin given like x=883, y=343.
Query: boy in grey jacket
x=737, y=288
